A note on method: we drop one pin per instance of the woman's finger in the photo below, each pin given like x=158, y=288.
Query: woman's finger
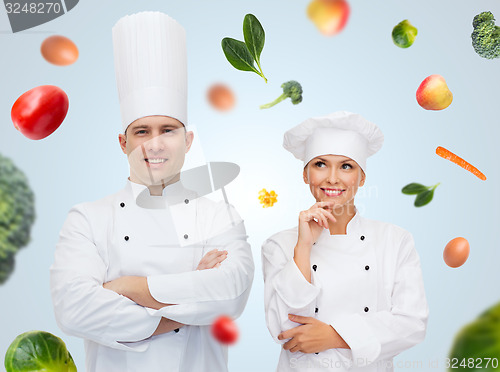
x=327, y=214
x=289, y=344
x=295, y=349
x=319, y=217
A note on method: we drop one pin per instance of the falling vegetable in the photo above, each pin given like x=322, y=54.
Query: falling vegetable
x=424, y=193
x=221, y=97
x=38, y=351
x=486, y=36
x=17, y=214
x=38, y=112
x=224, y=330
x=291, y=89
x=404, y=34
x=267, y=199
x=479, y=342
x=447, y=154
x=241, y=55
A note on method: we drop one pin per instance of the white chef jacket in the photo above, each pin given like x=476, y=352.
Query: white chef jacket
x=366, y=284
x=114, y=237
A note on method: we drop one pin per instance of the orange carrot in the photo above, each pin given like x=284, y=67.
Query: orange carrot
x=447, y=154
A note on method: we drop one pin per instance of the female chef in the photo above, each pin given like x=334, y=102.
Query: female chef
x=341, y=291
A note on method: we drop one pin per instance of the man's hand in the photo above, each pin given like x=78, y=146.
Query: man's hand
x=135, y=288
x=312, y=336
x=120, y=285
x=212, y=259
x=167, y=325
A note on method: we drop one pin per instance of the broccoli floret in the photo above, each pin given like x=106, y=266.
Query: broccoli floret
x=6, y=267
x=17, y=214
x=291, y=89
x=486, y=36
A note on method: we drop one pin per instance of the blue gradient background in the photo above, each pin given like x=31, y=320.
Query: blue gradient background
x=360, y=70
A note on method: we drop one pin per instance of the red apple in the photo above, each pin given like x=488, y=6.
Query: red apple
x=433, y=93
x=330, y=16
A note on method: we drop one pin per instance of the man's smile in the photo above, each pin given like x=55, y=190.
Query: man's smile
x=155, y=160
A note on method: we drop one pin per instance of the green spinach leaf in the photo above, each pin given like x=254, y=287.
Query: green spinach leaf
x=414, y=188
x=238, y=55
x=241, y=55
x=254, y=37
x=424, y=198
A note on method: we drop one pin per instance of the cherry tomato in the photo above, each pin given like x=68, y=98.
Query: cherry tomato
x=224, y=330
x=40, y=111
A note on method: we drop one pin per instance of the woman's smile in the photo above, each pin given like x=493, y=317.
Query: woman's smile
x=332, y=192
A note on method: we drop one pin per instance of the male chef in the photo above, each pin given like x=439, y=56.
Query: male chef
x=140, y=275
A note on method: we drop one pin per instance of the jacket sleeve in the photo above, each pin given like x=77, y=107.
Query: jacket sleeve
x=384, y=334
x=82, y=306
x=202, y=295
x=286, y=291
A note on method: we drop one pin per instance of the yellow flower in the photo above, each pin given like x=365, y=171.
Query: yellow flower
x=267, y=199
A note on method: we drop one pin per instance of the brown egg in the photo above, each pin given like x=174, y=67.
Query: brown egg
x=59, y=50
x=221, y=97
x=456, y=252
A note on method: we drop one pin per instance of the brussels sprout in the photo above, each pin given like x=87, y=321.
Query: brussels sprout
x=478, y=341
x=404, y=34
x=38, y=351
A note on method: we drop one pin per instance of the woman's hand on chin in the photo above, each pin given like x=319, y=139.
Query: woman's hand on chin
x=313, y=221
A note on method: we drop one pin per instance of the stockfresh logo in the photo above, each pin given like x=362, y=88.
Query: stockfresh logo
x=24, y=14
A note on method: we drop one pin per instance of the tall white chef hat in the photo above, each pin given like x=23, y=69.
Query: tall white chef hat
x=150, y=66
x=341, y=133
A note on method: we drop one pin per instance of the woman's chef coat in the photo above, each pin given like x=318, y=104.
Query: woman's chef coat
x=366, y=284
x=114, y=237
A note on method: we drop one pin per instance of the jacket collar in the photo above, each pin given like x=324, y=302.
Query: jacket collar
x=353, y=224
x=172, y=194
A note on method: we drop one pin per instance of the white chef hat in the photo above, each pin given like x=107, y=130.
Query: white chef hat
x=151, y=66
x=341, y=133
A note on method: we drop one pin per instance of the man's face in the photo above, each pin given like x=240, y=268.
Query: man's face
x=156, y=147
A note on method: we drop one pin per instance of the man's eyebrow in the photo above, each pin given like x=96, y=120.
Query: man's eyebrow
x=171, y=126
x=143, y=126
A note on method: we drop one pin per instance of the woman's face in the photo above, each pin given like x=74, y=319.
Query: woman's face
x=334, y=178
